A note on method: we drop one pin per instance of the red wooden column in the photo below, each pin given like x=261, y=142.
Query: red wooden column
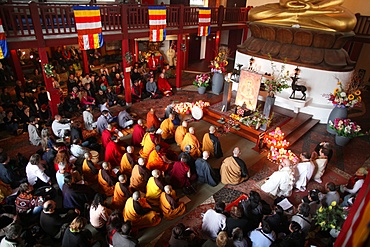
x=125, y=48
x=220, y=21
x=85, y=62
x=136, y=50
x=179, y=63
x=17, y=65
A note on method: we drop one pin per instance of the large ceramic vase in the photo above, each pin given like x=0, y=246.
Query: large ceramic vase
x=342, y=140
x=217, y=82
x=337, y=112
x=202, y=90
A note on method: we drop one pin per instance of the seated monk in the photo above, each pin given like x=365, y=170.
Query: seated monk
x=233, y=169
x=325, y=15
x=164, y=86
x=158, y=160
x=106, y=135
x=114, y=152
x=138, y=133
x=121, y=193
x=152, y=119
x=89, y=169
x=128, y=161
x=150, y=139
x=169, y=205
x=139, y=176
x=154, y=188
x=191, y=140
x=211, y=143
x=168, y=129
x=139, y=212
x=181, y=132
x=107, y=179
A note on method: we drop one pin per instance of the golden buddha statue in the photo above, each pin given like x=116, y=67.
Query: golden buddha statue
x=325, y=15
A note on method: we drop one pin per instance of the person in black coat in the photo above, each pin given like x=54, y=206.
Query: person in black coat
x=75, y=196
x=76, y=133
x=205, y=172
x=236, y=220
x=296, y=237
x=76, y=235
x=278, y=221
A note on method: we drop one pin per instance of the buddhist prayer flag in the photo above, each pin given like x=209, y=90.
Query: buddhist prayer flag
x=204, y=28
x=88, y=26
x=157, y=23
x=3, y=44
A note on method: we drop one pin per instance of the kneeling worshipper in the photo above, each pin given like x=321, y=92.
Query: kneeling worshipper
x=114, y=152
x=303, y=171
x=211, y=143
x=281, y=182
x=181, y=132
x=233, y=169
x=154, y=188
x=138, y=133
x=128, y=161
x=152, y=119
x=107, y=179
x=206, y=175
x=191, y=140
x=158, y=160
x=149, y=141
x=139, y=212
x=89, y=169
x=168, y=129
x=140, y=176
x=121, y=193
x=320, y=163
x=169, y=205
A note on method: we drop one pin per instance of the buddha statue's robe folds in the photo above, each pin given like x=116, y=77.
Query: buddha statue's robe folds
x=325, y=15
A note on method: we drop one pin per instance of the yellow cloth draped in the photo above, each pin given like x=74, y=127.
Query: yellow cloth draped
x=137, y=182
x=119, y=198
x=148, y=146
x=208, y=145
x=156, y=162
x=190, y=139
x=165, y=206
x=125, y=166
x=153, y=192
x=89, y=177
x=168, y=129
x=106, y=189
x=231, y=172
x=5, y=190
x=139, y=221
x=179, y=134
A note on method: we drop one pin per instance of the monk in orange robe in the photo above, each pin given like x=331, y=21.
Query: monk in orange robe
x=152, y=119
x=233, y=169
x=211, y=144
x=168, y=128
x=191, y=140
x=121, y=193
x=138, y=133
x=139, y=177
x=150, y=139
x=106, y=179
x=154, y=188
x=181, y=132
x=128, y=161
x=89, y=169
x=168, y=204
x=157, y=160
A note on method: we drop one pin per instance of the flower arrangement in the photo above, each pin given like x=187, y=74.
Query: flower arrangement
x=201, y=80
x=331, y=217
x=186, y=107
x=256, y=119
x=346, y=127
x=218, y=65
x=48, y=69
x=278, y=81
x=346, y=97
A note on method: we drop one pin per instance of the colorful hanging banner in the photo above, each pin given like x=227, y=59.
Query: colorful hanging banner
x=204, y=28
x=3, y=44
x=88, y=26
x=157, y=23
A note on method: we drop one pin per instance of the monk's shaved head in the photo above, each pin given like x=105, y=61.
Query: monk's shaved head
x=191, y=130
x=212, y=129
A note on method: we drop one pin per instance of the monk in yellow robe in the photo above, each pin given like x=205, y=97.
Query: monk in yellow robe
x=152, y=119
x=169, y=206
x=89, y=169
x=181, y=132
x=233, y=169
x=120, y=194
x=191, y=140
x=158, y=160
x=106, y=179
x=139, y=212
x=211, y=144
x=139, y=176
x=168, y=128
x=148, y=143
x=154, y=188
x=127, y=161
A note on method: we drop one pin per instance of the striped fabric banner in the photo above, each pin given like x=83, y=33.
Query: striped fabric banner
x=3, y=45
x=204, y=28
x=157, y=23
x=89, y=28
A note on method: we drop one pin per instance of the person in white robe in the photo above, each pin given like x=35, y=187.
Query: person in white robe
x=281, y=182
x=33, y=132
x=303, y=171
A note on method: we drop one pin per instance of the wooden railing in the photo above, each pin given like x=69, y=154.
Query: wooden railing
x=362, y=27
x=19, y=19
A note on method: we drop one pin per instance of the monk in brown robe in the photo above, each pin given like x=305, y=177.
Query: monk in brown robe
x=158, y=160
x=168, y=129
x=154, y=188
x=128, y=161
x=139, y=177
x=169, y=205
x=89, y=169
x=152, y=119
x=150, y=139
x=233, y=169
x=107, y=179
x=211, y=143
x=138, y=133
x=121, y=193
x=192, y=140
x=181, y=132
x=139, y=212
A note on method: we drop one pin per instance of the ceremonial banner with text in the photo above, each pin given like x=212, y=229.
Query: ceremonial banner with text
x=157, y=23
x=248, y=90
x=204, y=28
x=89, y=27
x=3, y=44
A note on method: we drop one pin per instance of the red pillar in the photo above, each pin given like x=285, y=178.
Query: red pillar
x=217, y=42
x=136, y=51
x=85, y=62
x=126, y=71
x=17, y=65
x=180, y=61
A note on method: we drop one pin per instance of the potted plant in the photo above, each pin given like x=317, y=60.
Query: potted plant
x=202, y=82
x=218, y=67
x=345, y=130
x=331, y=218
